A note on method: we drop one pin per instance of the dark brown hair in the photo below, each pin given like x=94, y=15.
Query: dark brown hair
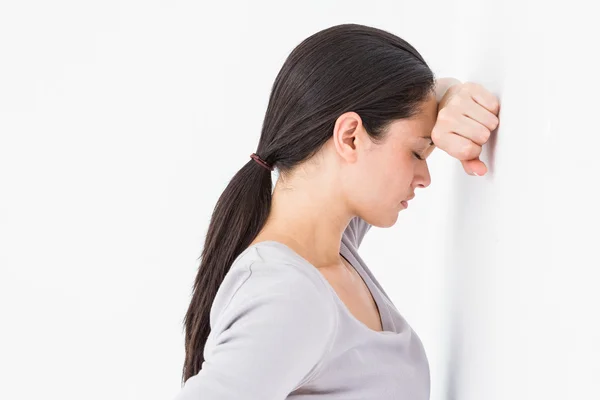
x=347, y=67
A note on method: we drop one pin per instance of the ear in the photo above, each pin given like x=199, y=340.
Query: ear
x=349, y=136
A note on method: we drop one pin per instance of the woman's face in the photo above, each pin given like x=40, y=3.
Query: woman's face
x=383, y=175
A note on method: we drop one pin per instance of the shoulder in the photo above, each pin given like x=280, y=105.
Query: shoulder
x=272, y=270
x=289, y=294
x=273, y=323
x=283, y=281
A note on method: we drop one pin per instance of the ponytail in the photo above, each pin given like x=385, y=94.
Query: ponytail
x=346, y=67
x=239, y=215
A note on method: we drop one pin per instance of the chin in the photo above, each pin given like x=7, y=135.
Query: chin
x=388, y=220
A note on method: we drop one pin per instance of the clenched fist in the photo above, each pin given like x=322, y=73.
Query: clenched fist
x=467, y=114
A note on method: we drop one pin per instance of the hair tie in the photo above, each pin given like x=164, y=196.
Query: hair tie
x=261, y=161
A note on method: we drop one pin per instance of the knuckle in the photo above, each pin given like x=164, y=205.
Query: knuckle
x=445, y=114
x=469, y=151
x=464, y=152
x=473, y=86
x=495, y=123
x=458, y=100
x=496, y=105
x=484, y=135
x=463, y=94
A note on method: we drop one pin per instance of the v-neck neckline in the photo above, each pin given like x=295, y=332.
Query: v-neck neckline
x=384, y=311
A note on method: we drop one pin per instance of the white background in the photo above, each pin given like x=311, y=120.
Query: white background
x=121, y=122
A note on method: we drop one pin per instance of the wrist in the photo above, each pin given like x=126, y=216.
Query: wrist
x=442, y=85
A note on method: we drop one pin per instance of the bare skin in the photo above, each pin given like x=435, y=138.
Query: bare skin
x=350, y=176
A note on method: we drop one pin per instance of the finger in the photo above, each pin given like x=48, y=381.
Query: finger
x=484, y=97
x=474, y=167
x=481, y=115
x=471, y=129
x=456, y=145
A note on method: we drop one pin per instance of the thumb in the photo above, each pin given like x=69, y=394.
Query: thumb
x=474, y=167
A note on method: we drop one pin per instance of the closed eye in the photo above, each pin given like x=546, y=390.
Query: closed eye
x=418, y=156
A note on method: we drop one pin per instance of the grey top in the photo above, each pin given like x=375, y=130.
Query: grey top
x=279, y=331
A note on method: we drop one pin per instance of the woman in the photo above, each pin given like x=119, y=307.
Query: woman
x=283, y=305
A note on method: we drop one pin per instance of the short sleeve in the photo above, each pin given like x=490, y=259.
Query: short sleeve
x=273, y=329
x=356, y=230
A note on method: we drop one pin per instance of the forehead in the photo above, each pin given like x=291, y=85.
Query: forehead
x=427, y=114
x=418, y=127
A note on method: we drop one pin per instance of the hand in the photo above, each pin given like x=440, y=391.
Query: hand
x=467, y=113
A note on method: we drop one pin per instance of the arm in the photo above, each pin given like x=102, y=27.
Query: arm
x=270, y=329
x=442, y=85
x=455, y=100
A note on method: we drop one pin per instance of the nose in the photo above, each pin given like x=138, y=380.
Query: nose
x=422, y=177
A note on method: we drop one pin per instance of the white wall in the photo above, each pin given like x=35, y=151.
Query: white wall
x=113, y=113
x=521, y=244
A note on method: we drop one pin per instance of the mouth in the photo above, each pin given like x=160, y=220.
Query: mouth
x=405, y=202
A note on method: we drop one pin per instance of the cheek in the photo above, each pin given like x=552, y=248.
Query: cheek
x=389, y=179
x=382, y=180
x=396, y=170
x=365, y=184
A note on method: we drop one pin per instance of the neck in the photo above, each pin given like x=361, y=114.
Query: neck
x=309, y=219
